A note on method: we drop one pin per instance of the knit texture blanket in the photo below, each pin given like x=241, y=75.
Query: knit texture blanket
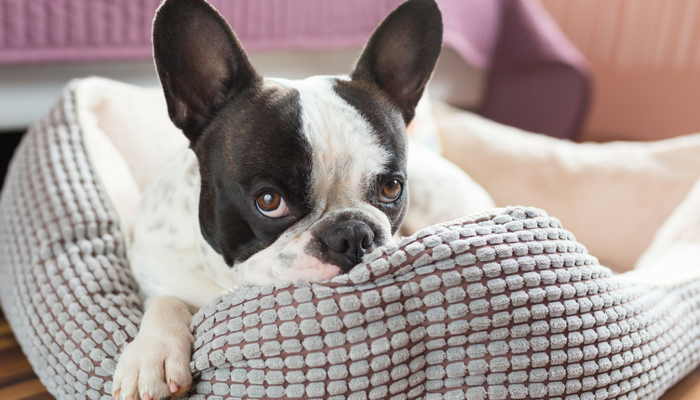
x=502, y=305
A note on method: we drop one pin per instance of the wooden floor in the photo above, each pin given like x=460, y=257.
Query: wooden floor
x=687, y=389
x=18, y=382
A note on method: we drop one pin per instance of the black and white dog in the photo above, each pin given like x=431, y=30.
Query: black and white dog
x=283, y=181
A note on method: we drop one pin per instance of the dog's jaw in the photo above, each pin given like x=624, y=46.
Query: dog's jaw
x=280, y=262
x=284, y=263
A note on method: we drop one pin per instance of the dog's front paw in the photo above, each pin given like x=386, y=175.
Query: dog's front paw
x=154, y=366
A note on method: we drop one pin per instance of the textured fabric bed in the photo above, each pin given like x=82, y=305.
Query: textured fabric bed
x=514, y=40
x=64, y=282
x=505, y=304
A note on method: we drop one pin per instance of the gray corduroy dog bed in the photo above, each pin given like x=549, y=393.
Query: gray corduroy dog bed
x=500, y=305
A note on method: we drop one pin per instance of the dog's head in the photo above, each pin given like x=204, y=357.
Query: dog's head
x=299, y=179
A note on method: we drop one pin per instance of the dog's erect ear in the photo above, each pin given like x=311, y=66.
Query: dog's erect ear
x=199, y=61
x=402, y=52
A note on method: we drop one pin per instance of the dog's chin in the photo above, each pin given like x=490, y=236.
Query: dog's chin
x=287, y=263
x=306, y=268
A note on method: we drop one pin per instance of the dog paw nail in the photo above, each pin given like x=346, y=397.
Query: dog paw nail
x=146, y=396
x=173, y=387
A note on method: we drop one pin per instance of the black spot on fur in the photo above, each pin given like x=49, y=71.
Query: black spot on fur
x=255, y=144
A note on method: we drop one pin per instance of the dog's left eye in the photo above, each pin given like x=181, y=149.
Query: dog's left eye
x=272, y=205
x=391, y=191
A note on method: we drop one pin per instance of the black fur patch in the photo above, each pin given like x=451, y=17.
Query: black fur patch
x=255, y=143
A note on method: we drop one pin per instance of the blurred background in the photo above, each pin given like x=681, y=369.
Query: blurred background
x=595, y=70
x=645, y=63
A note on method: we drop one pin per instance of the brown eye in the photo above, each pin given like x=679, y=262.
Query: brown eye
x=391, y=191
x=272, y=205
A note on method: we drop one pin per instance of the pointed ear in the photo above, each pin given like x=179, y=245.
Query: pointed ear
x=200, y=63
x=402, y=52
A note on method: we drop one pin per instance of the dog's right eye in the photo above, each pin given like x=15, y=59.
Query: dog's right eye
x=391, y=191
x=272, y=205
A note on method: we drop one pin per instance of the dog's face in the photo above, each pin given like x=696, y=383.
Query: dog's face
x=299, y=179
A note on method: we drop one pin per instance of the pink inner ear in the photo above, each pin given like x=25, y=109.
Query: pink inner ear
x=402, y=53
x=179, y=112
x=397, y=64
x=208, y=67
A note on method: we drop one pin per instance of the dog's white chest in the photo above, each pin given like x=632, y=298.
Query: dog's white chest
x=169, y=256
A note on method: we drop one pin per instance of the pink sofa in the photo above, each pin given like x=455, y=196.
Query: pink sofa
x=536, y=79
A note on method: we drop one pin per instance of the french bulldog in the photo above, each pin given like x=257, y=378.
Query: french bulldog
x=283, y=180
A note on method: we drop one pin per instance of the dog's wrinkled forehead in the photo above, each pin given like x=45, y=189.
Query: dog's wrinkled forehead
x=350, y=146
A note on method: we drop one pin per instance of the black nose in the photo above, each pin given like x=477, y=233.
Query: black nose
x=348, y=242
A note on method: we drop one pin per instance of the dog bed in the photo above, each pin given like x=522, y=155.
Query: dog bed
x=503, y=304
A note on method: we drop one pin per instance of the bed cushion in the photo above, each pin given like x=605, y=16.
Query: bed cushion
x=502, y=305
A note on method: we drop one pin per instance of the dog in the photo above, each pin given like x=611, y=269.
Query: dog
x=282, y=181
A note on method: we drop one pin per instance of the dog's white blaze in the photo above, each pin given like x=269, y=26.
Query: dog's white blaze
x=347, y=156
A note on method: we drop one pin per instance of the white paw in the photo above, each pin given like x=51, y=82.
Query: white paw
x=155, y=366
